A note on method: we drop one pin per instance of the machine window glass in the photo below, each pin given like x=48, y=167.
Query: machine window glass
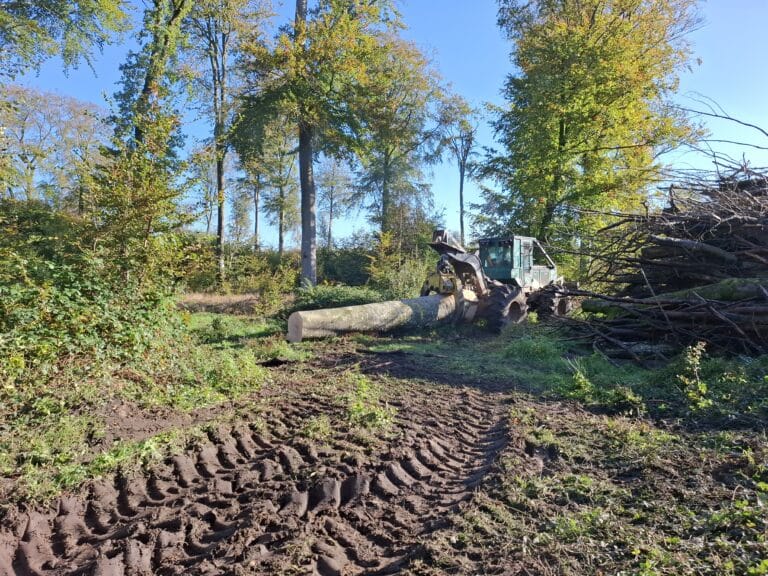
x=498, y=256
x=526, y=256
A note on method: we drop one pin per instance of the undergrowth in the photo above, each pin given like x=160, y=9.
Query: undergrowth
x=54, y=421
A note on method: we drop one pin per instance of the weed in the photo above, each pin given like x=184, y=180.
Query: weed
x=364, y=405
x=318, y=428
x=694, y=388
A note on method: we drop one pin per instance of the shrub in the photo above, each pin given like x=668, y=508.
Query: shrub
x=397, y=274
x=327, y=296
x=344, y=265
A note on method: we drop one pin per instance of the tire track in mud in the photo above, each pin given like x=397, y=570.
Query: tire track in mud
x=247, y=501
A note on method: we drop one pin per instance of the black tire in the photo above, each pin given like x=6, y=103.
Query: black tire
x=550, y=304
x=506, y=305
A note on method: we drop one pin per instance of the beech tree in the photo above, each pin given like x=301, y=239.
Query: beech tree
x=401, y=130
x=336, y=195
x=281, y=192
x=587, y=113
x=52, y=144
x=216, y=29
x=31, y=32
x=459, y=131
x=138, y=195
x=313, y=73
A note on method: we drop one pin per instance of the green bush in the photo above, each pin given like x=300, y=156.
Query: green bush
x=253, y=273
x=397, y=274
x=327, y=296
x=344, y=265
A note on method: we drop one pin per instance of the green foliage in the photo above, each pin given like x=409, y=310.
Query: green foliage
x=329, y=296
x=72, y=312
x=364, y=405
x=31, y=32
x=397, y=273
x=318, y=428
x=695, y=389
x=346, y=265
x=596, y=382
x=586, y=114
x=252, y=273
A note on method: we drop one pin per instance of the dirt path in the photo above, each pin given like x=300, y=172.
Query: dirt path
x=268, y=500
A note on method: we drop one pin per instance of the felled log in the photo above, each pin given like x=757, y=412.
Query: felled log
x=381, y=316
x=694, y=246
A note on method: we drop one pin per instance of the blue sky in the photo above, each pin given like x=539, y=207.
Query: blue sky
x=468, y=49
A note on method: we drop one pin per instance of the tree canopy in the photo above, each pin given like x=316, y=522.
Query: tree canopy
x=30, y=32
x=588, y=111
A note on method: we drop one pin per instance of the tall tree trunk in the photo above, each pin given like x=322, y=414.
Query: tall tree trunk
x=386, y=200
x=330, y=223
x=306, y=175
x=462, y=167
x=160, y=50
x=556, y=189
x=256, y=197
x=308, y=216
x=281, y=225
x=220, y=217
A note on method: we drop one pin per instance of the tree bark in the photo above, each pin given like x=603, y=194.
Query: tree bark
x=308, y=210
x=256, y=197
x=462, y=168
x=306, y=175
x=281, y=225
x=329, y=244
x=386, y=199
x=380, y=317
x=220, y=218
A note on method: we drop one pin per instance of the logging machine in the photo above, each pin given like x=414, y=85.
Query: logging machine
x=510, y=277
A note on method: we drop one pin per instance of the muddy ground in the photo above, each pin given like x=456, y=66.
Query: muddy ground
x=473, y=475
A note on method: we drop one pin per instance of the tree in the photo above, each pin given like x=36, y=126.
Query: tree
x=336, y=193
x=401, y=130
x=52, y=143
x=281, y=193
x=215, y=30
x=202, y=169
x=137, y=196
x=30, y=32
x=587, y=113
x=314, y=71
x=252, y=184
x=459, y=131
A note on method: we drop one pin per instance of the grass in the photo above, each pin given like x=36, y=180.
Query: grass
x=60, y=439
x=610, y=468
x=612, y=494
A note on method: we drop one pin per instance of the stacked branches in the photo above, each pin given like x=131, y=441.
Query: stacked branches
x=696, y=271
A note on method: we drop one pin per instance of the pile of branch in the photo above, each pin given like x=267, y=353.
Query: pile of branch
x=695, y=271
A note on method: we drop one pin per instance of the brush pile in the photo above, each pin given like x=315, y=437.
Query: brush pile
x=694, y=271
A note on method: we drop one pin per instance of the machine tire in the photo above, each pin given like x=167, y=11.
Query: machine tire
x=506, y=305
x=550, y=304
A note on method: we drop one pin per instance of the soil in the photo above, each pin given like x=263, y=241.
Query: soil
x=266, y=499
x=262, y=495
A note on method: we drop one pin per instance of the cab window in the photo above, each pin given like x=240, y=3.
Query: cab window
x=498, y=256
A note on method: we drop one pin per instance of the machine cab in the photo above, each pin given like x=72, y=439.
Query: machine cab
x=517, y=260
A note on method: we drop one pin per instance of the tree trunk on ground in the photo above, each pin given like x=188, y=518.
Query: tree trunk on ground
x=380, y=317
